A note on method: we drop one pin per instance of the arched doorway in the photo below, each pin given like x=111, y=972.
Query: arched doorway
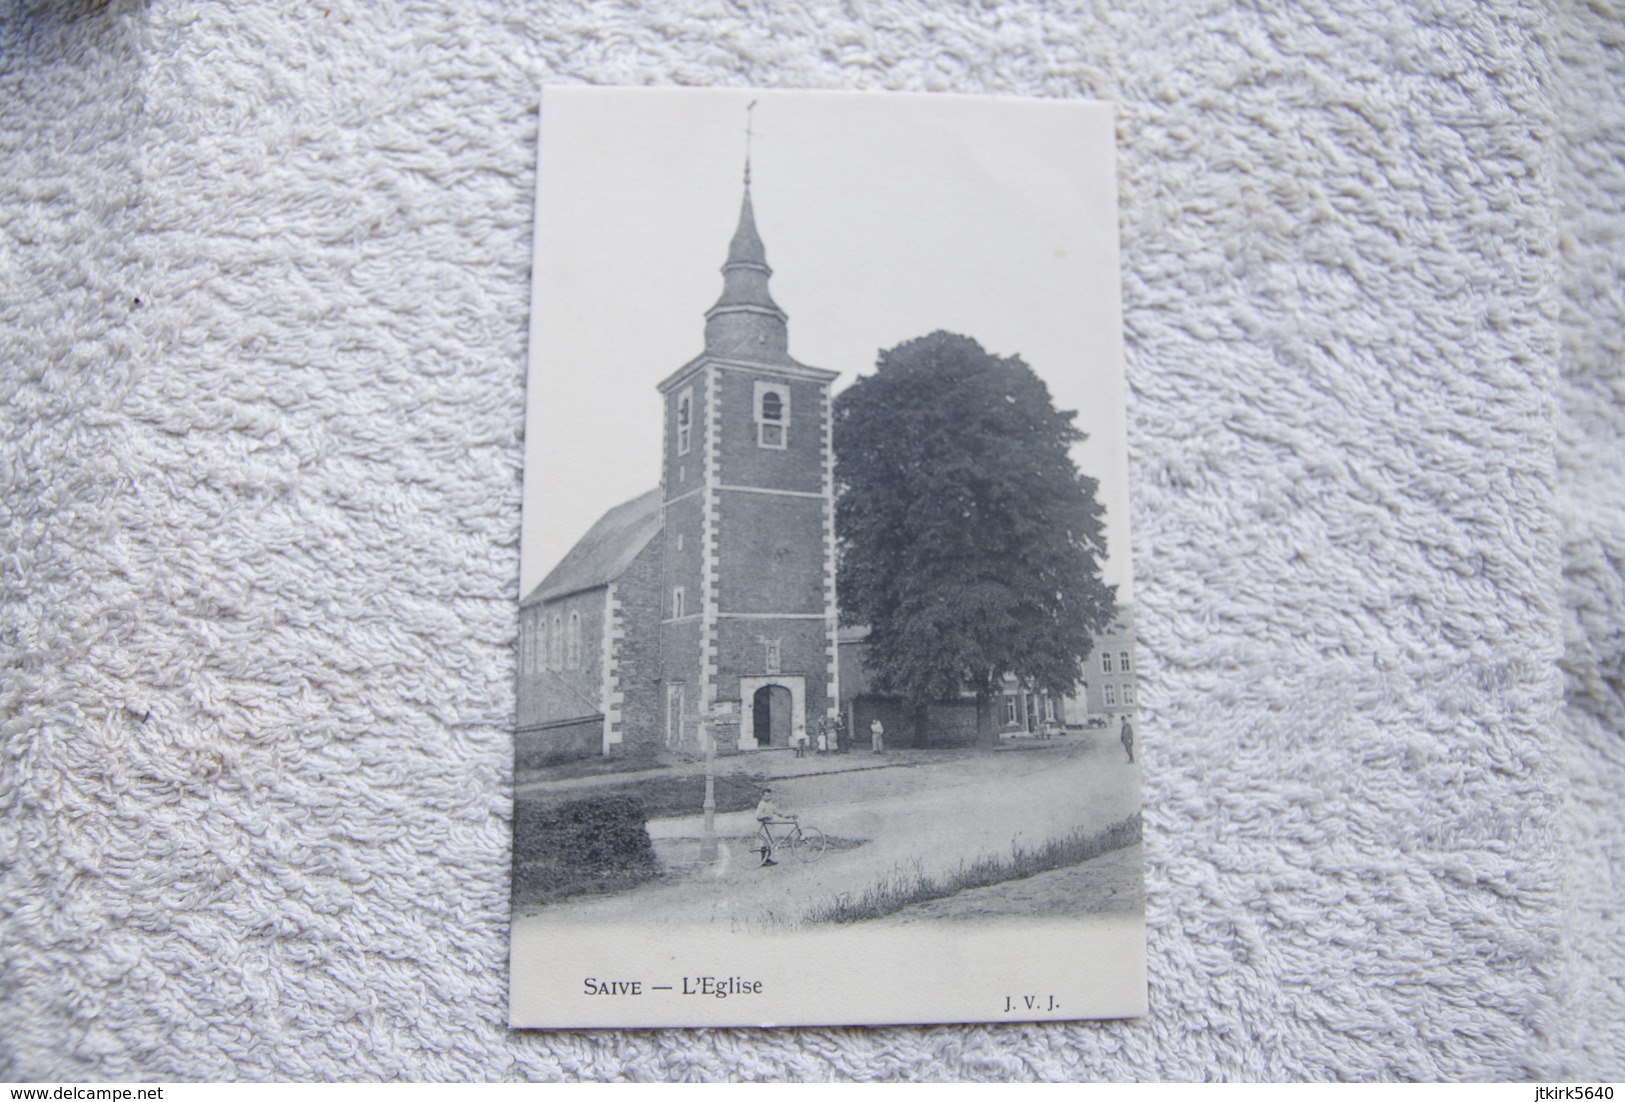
x=771, y=709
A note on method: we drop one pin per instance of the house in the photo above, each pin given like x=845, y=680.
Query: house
x=1107, y=690
x=1018, y=710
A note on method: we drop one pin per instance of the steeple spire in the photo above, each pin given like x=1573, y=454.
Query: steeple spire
x=746, y=323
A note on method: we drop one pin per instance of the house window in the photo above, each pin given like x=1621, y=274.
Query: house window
x=674, y=715
x=555, y=644
x=572, y=643
x=679, y=541
x=1009, y=711
x=772, y=415
x=1122, y=661
x=770, y=660
x=1111, y=695
x=1105, y=661
x=685, y=419
x=1128, y=694
x=677, y=603
x=1049, y=709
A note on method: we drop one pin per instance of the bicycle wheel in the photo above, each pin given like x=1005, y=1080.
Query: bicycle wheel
x=755, y=845
x=809, y=844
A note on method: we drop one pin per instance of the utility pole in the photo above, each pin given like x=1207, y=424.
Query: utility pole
x=710, y=804
x=708, y=729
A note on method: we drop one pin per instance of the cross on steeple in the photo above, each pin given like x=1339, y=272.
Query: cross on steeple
x=746, y=323
x=748, y=117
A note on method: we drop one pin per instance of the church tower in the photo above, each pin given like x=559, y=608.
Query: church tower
x=748, y=617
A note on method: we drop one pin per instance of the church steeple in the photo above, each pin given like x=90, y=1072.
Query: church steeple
x=746, y=323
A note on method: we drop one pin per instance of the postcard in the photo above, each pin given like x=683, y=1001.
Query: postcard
x=827, y=701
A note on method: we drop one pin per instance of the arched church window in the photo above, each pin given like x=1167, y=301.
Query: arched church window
x=554, y=644
x=674, y=715
x=572, y=643
x=685, y=417
x=772, y=414
x=677, y=609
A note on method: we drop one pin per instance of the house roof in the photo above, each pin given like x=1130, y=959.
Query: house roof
x=607, y=549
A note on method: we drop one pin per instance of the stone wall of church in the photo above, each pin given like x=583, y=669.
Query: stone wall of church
x=683, y=468
x=635, y=665
x=560, y=681
x=799, y=465
x=532, y=660
x=771, y=554
x=541, y=747
x=683, y=554
x=681, y=654
x=742, y=652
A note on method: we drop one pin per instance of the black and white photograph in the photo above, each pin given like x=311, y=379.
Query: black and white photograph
x=811, y=543
x=826, y=641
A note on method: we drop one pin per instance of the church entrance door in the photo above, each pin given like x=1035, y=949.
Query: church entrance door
x=770, y=716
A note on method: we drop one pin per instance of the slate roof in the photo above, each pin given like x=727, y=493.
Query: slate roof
x=607, y=549
x=746, y=249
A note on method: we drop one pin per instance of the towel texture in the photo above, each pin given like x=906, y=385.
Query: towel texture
x=264, y=292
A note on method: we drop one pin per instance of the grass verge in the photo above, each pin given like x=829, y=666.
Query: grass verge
x=901, y=890
x=665, y=795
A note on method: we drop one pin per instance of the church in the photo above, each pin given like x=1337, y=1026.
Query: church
x=711, y=597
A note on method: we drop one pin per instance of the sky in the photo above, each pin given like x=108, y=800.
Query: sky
x=884, y=218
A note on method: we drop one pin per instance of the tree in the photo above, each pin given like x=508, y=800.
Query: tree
x=970, y=544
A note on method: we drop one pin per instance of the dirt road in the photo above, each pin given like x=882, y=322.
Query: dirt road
x=921, y=819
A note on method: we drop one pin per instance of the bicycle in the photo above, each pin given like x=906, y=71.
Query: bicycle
x=804, y=843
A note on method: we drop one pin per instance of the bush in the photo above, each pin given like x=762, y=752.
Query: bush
x=590, y=845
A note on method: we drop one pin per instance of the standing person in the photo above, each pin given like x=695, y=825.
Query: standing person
x=1128, y=738
x=840, y=734
x=801, y=743
x=769, y=816
x=823, y=736
x=877, y=735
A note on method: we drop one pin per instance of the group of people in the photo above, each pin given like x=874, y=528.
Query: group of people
x=832, y=737
x=829, y=737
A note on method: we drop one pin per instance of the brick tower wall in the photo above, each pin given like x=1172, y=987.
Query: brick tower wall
x=799, y=465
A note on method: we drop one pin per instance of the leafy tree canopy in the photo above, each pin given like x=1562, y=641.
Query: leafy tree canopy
x=969, y=541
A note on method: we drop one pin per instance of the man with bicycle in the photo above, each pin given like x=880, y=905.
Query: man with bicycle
x=770, y=816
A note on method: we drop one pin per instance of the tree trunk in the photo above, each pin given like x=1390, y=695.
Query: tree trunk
x=986, y=737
